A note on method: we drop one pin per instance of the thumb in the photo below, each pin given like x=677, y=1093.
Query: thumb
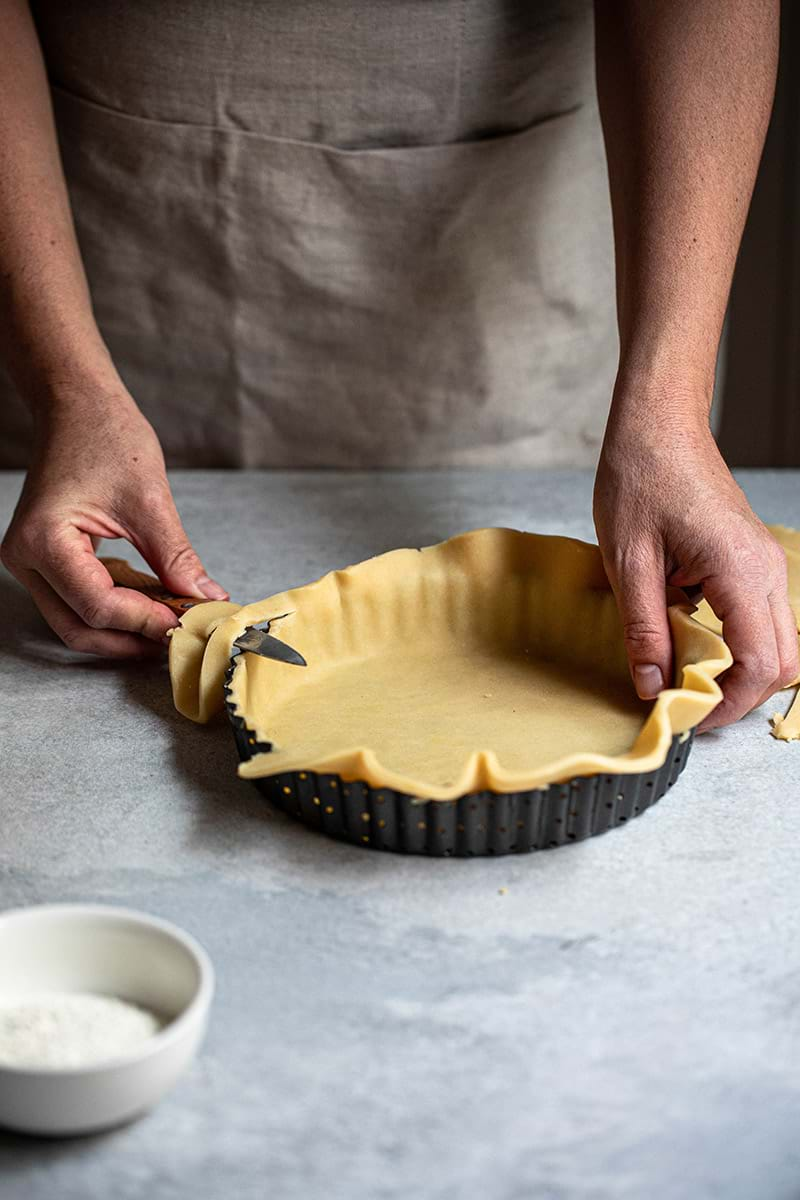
x=166, y=547
x=640, y=591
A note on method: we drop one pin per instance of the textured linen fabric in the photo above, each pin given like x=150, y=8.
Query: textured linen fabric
x=342, y=232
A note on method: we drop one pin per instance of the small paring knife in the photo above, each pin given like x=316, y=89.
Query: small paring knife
x=254, y=640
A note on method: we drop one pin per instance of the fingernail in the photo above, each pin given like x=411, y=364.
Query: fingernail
x=210, y=589
x=648, y=680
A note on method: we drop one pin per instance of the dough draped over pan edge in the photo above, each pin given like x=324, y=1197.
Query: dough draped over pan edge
x=489, y=588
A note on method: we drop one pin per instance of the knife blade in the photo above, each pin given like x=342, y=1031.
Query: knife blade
x=259, y=641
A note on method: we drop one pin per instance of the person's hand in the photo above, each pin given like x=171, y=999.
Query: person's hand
x=98, y=472
x=667, y=510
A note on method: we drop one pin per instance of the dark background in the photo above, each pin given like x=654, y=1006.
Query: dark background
x=759, y=385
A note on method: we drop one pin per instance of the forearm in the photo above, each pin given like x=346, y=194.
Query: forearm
x=48, y=337
x=685, y=90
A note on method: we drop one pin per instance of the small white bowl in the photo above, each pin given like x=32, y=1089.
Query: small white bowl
x=115, y=952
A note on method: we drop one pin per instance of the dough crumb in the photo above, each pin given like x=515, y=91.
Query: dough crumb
x=782, y=730
x=787, y=728
x=502, y=891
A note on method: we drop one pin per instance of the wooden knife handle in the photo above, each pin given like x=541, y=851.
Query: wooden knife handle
x=124, y=575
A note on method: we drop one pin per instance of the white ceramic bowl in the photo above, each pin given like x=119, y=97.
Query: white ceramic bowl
x=116, y=952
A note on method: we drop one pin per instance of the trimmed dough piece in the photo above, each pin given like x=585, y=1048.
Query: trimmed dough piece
x=787, y=729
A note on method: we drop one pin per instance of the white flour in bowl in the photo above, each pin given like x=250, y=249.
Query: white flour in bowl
x=71, y=1029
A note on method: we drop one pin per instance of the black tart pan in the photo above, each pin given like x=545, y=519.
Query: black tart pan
x=481, y=823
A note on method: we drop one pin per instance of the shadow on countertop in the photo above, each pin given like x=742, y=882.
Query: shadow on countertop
x=29, y=639
x=229, y=812
x=21, y=1153
x=205, y=755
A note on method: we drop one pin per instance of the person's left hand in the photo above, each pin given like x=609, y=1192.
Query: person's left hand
x=668, y=511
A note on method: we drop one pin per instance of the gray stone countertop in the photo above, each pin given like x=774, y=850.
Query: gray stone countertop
x=620, y=1024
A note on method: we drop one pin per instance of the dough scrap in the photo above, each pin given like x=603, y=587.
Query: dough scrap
x=494, y=660
x=787, y=729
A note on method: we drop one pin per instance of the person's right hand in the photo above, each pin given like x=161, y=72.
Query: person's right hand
x=98, y=472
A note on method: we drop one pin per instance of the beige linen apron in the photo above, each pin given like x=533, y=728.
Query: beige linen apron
x=342, y=232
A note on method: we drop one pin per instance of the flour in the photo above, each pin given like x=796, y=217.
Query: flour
x=71, y=1029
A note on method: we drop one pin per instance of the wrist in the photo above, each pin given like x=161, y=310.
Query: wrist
x=660, y=404
x=81, y=394
x=56, y=368
x=75, y=412
x=651, y=424
x=666, y=368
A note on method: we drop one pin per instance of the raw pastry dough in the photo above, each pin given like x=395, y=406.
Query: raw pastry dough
x=492, y=661
x=195, y=670
x=786, y=728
